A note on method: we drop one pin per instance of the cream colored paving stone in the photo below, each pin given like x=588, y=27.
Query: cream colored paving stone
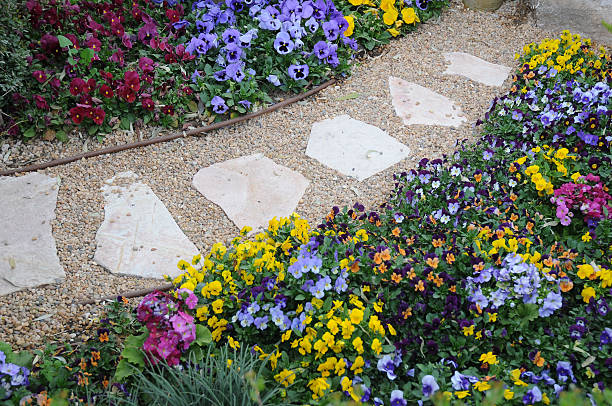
x=139, y=236
x=251, y=189
x=28, y=256
x=416, y=104
x=354, y=148
x=476, y=69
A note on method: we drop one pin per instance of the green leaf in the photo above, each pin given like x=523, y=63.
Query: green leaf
x=61, y=135
x=64, y=42
x=607, y=26
x=30, y=132
x=203, y=335
x=124, y=370
x=300, y=297
x=23, y=359
x=132, y=351
x=86, y=55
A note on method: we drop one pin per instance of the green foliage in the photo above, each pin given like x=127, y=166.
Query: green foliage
x=13, y=50
x=606, y=25
x=226, y=378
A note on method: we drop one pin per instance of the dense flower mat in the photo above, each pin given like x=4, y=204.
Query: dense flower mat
x=105, y=65
x=485, y=278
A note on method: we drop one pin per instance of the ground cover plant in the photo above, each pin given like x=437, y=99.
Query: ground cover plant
x=104, y=65
x=485, y=278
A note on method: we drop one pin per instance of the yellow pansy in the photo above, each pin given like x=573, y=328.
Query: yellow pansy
x=390, y=17
x=376, y=346
x=462, y=394
x=587, y=294
x=351, y=26
x=410, y=16
x=356, y=316
x=285, y=377
x=217, y=306
x=489, y=358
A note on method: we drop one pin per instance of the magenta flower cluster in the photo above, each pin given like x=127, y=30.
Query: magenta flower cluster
x=589, y=199
x=171, y=330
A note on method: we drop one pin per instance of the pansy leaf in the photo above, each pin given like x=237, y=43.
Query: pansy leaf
x=203, y=335
x=63, y=41
x=124, y=370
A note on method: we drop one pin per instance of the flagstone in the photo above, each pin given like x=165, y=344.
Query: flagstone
x=251, y=189
x=28, y=256
x=476, y=69
x=139, y=236
x=354, y=148
x=416, y=104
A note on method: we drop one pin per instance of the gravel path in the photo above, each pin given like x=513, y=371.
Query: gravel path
x=282, y=136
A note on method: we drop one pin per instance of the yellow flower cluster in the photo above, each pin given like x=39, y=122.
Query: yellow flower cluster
x=560, y=158
x=564, y=54
x=543, y=186
x=391, y=14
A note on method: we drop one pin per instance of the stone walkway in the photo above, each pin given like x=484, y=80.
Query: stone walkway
x=139, y=237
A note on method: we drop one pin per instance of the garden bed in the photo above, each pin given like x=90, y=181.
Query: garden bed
x=494, y=289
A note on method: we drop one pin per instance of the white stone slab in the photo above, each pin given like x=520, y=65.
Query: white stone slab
x=28, y=257
x=418, y=105
x=354, y=148
x=251, y=189
x=476, y=69
x=139, y=236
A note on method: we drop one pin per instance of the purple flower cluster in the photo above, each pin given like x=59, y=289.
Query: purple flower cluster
x=569, y=109
x=11, y=376
x=171, y=330
x=515, y=280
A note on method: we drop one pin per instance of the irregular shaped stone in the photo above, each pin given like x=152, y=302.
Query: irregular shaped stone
x=418, y=105
x=139, y=236
x=353, y=147
x=252, y=189
x=476, y=69
x=28, y=256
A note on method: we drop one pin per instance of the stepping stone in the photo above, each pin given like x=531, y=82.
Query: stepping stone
x=28, y=256
x=354, y=148
x=476, y=69
x=579, y=16
x=252, y=189
x=418, y=105
x=139, y=237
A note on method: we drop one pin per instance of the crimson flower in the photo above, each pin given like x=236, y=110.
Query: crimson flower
x=106, y=91
x=98, y=115
x=49, y=44
x=148, y=104
x=169, y=110
x=128, y=94
x=76, y=86
x=77, y=114
x=172, y=15
x=94, y=44
x=89, y=86
x=118, y=29
x=39, y=75
x=132, y=80
x=41, y=103
x=146, y=64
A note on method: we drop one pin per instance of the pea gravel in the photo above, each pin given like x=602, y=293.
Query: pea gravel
x=31, y=317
